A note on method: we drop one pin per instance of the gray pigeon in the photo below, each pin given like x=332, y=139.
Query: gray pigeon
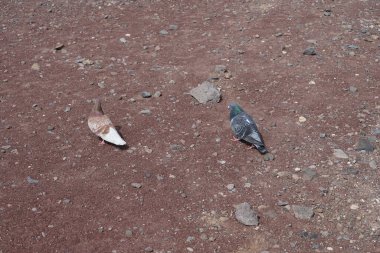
x=244, y=128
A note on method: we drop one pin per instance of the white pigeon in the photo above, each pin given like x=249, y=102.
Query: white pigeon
x=101, y=125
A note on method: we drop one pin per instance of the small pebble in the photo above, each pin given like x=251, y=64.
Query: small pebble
x=128, y=233
x=146, y=112
x=31, y=180
x=148, y=249
x=157, y=94
x=164, y=32
x=173, y=27
x=146, y=94
x=310, y=51
x=231, y=187
x=302, y=119
x=136, y=185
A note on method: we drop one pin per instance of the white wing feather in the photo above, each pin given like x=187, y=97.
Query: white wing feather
x=113, y=137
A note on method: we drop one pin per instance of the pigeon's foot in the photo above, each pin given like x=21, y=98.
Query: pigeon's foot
x=101, y=143
x=235, y=139
x=251, y=147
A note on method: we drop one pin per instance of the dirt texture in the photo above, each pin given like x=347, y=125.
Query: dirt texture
x=177, y=184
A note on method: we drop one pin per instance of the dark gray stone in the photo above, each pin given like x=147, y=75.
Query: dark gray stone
x=310, y=51
x=365, y=144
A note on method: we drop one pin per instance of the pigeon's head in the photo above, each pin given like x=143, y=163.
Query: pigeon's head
x=97, y=109
x=235, y=109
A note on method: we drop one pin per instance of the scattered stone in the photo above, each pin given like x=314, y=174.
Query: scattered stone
x=352, y=47
x=66, y=201
x=338, y=153
x=36, y=66
x=206, y=92
x=146, y=94
x=136, y=185
x=31, y=180
x=231, y=187
x=308, y=235
x=322, y=135
x=101, y=84
x=353, y=89
x=327, y=13
x=372, y=164
x=279, y=34
x=364, y=144
x=164, y=32
x=6, y=147
x=220, y=69
x=173, y=27
x=354, y=207
x=310, y=51
x=282, y=203
x=146, y=112
x=302, y=119
x=67, y=109
x=176, y=147
x=157, y=94
x=204, y=237
x=302, y=212
x=245, y=214
x=268, y=157
x=148, y=249
x=190, y=239
x=123, y=40
x=128, y=233
x=309, y=173
x=376, y=131
x=59, y=46
x=50, y=128
x=350, y=171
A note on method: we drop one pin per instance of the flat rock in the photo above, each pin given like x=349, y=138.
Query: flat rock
x=206, y=93
x=303, y=212
x=338, y=153
x=364, y=144
x=245, y=214
x=310, y=51
x=31, y=180
x=309, y=174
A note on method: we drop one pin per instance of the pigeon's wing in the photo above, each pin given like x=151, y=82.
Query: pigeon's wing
x=109, y=134
x=242, y=125
x=95, y=123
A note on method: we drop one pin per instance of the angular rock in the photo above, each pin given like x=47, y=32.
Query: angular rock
x=365, y=144
x=245, y=214
x=206, y=93
x=309, y=174
x=310, y=51
x=303, y=212
x=31, y=180
x=146, y=94
x=338, y=153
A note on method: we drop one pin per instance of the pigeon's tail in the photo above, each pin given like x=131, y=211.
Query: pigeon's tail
x=262, y=149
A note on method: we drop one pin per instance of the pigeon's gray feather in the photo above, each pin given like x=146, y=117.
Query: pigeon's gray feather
x=244, y=128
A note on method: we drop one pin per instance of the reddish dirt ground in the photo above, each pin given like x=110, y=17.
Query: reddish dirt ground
x=58, y=55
